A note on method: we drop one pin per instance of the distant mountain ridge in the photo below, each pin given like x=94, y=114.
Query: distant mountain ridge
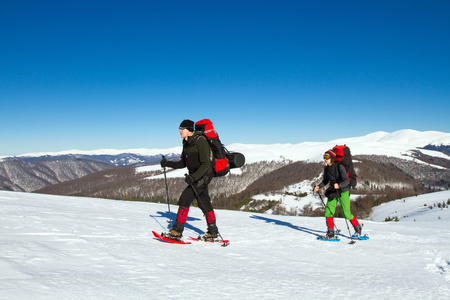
x=30, y=176
x=397, y=144
x=119, y=160
x=441, y=148
x=30, y=172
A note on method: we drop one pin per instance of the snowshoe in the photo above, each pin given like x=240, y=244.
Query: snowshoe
x=172, y=234
x=328, y=238
x=168, y=239
x=361, y=237
x=207, y=237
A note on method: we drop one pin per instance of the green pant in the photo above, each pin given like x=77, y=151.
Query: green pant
x=345, y=206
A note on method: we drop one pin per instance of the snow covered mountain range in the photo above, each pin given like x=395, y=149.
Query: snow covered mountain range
x=396, y=144
x=26, y=173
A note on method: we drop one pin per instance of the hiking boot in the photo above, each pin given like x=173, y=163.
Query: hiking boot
x=330, y=233
x=176, y=231
x=212, y=231
x=358, y=230
x=211, y=234
x=172, y=234
x=208, y=237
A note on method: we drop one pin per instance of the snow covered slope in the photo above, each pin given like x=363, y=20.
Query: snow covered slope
x=396, y=144
x=427, y=207
x=55, y=247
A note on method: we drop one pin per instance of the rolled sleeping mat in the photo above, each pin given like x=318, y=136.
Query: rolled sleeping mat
x=236, y=159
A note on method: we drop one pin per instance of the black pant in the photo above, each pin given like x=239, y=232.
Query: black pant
x=188, y=196
x=204, y=203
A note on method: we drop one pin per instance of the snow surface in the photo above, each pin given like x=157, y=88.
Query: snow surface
x=416, y=208
x=58, y=247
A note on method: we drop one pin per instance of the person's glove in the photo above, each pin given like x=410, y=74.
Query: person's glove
x=164, y=162
x=189, y=179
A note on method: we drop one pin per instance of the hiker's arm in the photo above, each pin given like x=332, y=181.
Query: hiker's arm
x=204, y=158
x=344, y=178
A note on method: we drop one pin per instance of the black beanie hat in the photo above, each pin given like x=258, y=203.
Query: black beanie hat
x=188, y=124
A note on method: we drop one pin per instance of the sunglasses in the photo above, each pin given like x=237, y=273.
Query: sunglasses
x=182, y=128
x=326, y=156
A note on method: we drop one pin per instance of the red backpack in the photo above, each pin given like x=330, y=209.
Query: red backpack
x=344, y=156
x=222, y=159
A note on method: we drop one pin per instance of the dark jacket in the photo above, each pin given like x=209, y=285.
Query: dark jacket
x=336, y=173
x=196, y=156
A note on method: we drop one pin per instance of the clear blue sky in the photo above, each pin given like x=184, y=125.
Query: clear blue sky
x=123, y=74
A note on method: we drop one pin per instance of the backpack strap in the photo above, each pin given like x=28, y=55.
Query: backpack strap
x=335, y=168
x=196, y=138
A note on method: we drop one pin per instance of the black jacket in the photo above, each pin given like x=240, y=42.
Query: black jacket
x=196, y=156
x=336, y=173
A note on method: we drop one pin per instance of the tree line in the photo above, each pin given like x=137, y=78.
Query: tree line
x=380, y=179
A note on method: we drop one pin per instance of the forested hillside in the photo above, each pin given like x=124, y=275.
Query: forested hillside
x=380, y=179
x=22, y=176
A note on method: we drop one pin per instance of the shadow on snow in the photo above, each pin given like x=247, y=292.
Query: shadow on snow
x=317, y=233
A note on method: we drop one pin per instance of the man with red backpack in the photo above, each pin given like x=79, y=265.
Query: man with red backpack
x=339, y=190
x=196, y=156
